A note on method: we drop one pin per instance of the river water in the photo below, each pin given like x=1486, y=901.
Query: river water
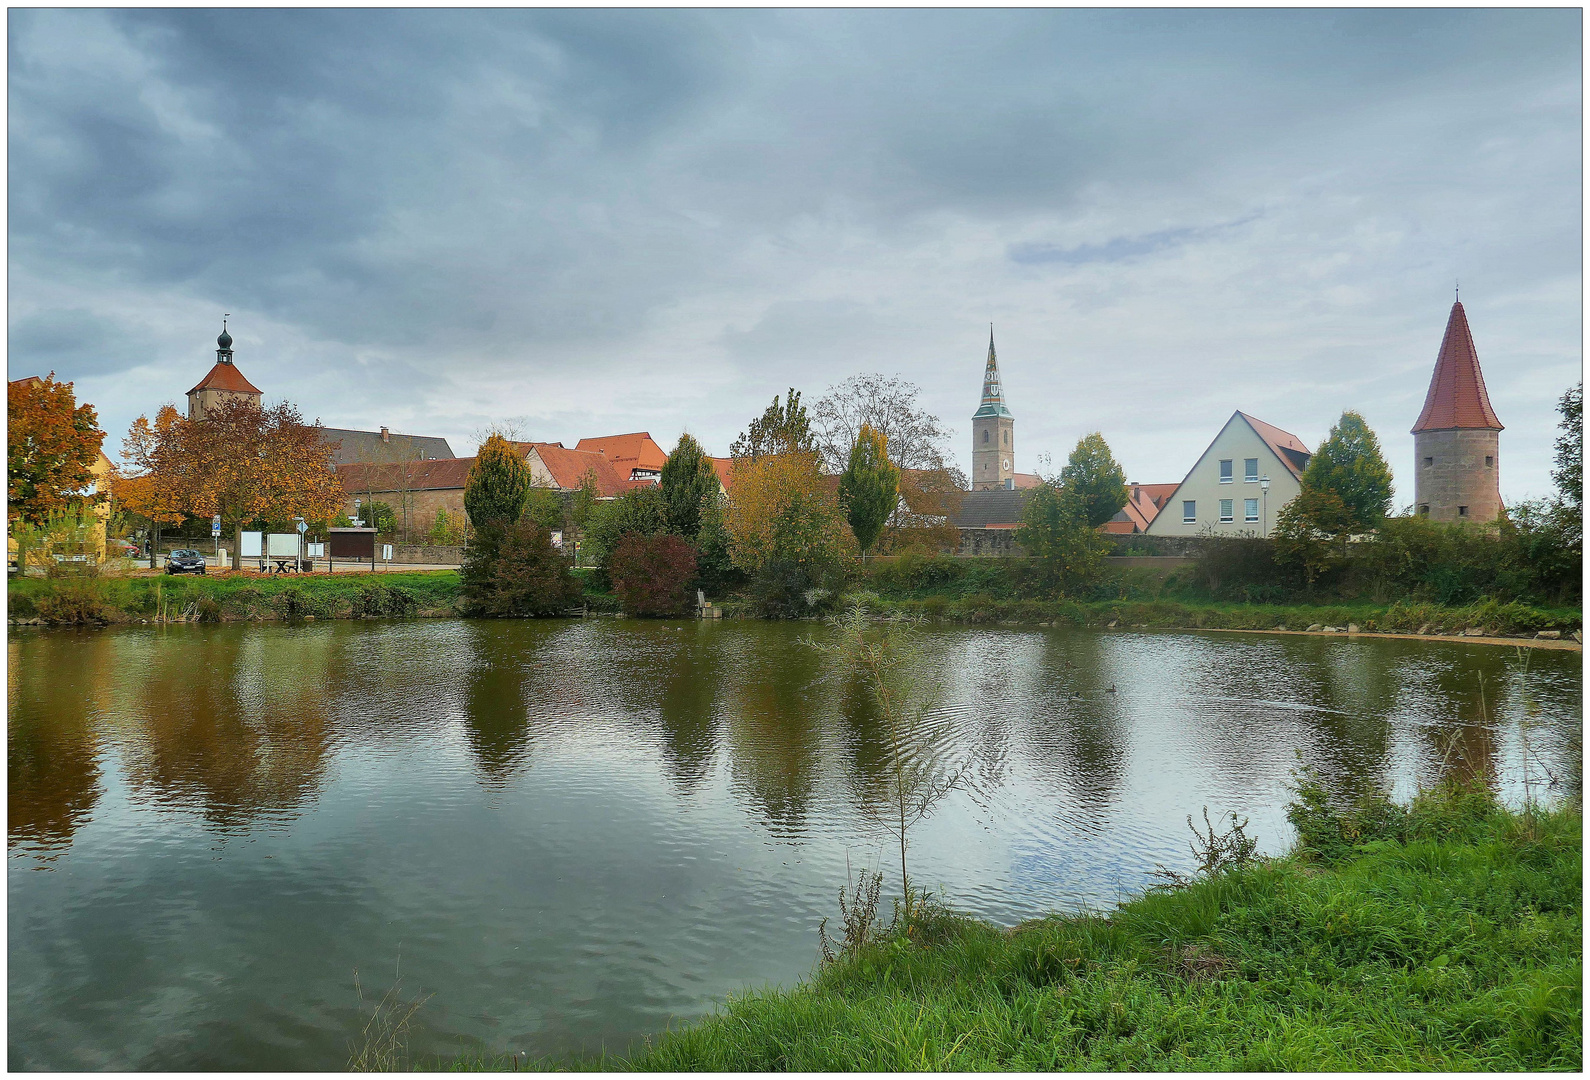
x=564, y=835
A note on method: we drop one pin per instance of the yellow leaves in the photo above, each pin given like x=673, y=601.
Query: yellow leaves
x=780, y=507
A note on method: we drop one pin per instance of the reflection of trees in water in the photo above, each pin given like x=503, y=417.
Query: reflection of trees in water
x=233, y=720
x=1076, y=732
x=498, y=683
x=687, y=675
x=774, y=734
x=57, y=688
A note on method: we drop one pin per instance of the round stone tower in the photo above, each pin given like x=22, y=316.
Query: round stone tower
x=1457, y=460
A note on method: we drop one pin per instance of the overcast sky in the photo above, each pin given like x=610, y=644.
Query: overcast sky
x=603, y=222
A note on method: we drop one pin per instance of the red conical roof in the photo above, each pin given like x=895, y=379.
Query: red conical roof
x=1457, y=397
x=224, y=376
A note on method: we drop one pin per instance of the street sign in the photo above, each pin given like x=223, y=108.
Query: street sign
x=215, y=525
x=302, y=528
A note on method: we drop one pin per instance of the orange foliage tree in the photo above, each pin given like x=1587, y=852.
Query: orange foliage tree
x=52, y=443
x=242, y=461
x=780, y=509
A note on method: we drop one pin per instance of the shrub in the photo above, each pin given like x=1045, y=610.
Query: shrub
x=784, y=589
x=653, y=575
x=75, y=601
x=378, y=598
x=514, y=571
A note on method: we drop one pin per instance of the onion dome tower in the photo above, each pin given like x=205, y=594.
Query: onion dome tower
x=222, y=383
x=1455, y=441
x=993, y=432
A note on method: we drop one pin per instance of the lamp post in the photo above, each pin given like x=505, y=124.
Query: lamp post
x=1264, y=522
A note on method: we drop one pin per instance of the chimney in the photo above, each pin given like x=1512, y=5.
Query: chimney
x=384, y=436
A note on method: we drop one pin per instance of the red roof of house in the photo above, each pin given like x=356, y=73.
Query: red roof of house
x=1025, y=480
x=724, y=467
x=226, y=377
x=1143, y=504
x=636, y=450
x=429, y=474
x=1288, y=447
x=1457, y=398
x=568, y=468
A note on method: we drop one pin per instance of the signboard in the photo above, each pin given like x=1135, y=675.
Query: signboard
x=215, y=525
x=282, y=545
x=386, y=552
x=352, y=543
x=557, y=539
x=317, y=551
x=250, y=545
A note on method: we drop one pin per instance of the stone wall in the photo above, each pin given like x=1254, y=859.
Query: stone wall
x=1140, y=548
x=988, y=542
x=448, y=555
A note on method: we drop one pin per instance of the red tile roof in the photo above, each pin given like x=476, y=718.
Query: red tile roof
x=636, y=450
x=724, y=467
x=1288, y=447
x=568, y=468
x=1457, y=397
x=1143, y=504
x=431, y=474
x=1025, y=480
x=226, y=377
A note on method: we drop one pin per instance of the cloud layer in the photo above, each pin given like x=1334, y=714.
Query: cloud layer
x=611, y=221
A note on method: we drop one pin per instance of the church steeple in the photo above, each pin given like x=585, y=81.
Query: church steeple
x=993, y=393
x=993, y=432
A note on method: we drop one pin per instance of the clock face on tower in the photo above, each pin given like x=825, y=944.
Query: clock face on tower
x=1005, y=464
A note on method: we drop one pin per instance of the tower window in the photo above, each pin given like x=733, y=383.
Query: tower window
x=1424, y=509
x=1490, y=462
x=985, y=434
x=1006, y=435
x=1431, y=461
x=1463, y=511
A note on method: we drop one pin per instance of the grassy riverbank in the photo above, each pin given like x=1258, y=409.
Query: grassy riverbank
x=238, y=596
x=223, y=597
x=1445, y=936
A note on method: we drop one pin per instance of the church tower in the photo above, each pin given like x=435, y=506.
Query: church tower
x=993, y=433
x=224, y=381
x=1455, y=441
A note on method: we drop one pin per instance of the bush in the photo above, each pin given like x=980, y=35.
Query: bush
x=783, y=589
x=378, y=598
x=514, y=571
x=653, y=575
x=75, y=601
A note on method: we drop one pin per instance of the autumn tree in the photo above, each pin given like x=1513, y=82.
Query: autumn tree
x=785, y=531
x=780, y=429
x=688, y=481
x=1349, y=465
x=241, y=462
x=52, y=443
x=869, y=488
x=498, y=484
x=1311, y=533
x=638, y=512
x=1095, y=479
x=654, y=575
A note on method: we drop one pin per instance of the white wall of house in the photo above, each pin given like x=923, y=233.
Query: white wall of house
x=1223, y=495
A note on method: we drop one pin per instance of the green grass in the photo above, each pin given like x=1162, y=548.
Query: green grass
x=1512, y=618
x=227, y=596
x=1443, y=936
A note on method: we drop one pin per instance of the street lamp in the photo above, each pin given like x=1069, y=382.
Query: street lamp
x=1264, y=523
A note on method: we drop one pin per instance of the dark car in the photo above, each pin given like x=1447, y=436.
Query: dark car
x=185, y=561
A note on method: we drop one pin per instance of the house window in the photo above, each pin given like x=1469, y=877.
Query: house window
x=1225, y=471
x=1250, y=470
x=1489, y=461
x=1250, y=509
x=1225, y=509
x=1463, y=511
x=1189, y=511
x=1428, y=462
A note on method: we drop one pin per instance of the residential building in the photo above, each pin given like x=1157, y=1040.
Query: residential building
x=993, y=432
x=636, y=456
x=1238, y=485
x=415, y=490
x=382, y=446
x=553, y=465
x=1456, y=440
x=1143, y=504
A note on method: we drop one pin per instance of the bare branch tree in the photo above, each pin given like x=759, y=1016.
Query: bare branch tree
x=889, y=404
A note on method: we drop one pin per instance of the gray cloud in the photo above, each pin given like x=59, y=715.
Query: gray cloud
x=651, y=219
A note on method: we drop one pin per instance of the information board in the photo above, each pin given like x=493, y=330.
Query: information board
x=250, y=545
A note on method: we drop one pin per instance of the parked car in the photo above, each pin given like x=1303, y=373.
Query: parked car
x=185, y=561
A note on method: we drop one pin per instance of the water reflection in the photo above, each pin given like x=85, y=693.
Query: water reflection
x=576, y=831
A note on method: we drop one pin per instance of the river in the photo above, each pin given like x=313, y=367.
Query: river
x=563, y=835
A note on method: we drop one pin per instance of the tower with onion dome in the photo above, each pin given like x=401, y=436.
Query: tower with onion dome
x=993, y=432
x=222, y=383
x=1457, y=458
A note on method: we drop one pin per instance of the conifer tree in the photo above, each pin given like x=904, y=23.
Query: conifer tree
x=498, y=485
x=688, y=479
x=1349, y=465
x=869, y=486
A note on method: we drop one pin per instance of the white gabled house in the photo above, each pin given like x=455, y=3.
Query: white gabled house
x=1239, y=484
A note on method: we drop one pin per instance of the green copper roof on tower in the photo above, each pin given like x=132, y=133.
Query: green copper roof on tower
x=993, y=392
